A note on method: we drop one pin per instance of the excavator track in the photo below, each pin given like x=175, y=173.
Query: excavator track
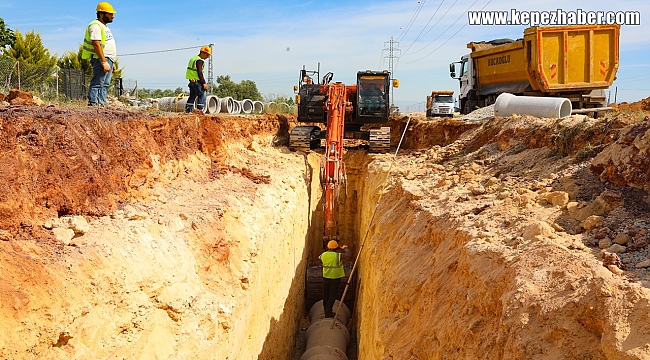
x=380, y=140
x=304, y=138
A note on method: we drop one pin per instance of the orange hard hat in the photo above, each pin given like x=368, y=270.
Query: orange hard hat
x=105, y=7
x=206, y=49
x=332, y=245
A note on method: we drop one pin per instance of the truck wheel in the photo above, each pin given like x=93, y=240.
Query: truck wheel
x=466, y=108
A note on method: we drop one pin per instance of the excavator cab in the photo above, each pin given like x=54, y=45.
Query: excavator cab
x=373, y=104
x=364, y=104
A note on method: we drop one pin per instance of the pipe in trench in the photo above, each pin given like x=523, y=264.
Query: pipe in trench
x=543, y=107
x=327, y=339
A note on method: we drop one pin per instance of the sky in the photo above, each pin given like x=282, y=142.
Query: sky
x=269, y=41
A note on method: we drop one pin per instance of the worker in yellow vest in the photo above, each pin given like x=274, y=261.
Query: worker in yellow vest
x=333, y=271
x=197, y=84
x=99, y=47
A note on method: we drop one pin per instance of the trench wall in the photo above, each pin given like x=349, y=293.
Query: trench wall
x=431, y=288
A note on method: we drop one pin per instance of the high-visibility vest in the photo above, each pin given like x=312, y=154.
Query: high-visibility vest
x=192, y=72
x=332, y=265
x=88, y=50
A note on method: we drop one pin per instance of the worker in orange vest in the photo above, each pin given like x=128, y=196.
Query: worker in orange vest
x=333, y=271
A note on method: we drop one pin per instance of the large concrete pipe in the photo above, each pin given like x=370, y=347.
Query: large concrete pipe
x=180, y=105
x=247, y=106
x=258, y=107
x=236, y=107
x=545, y=107
x=226, y=104
x=323, y=333
x=317, y=312
x=169, y=104
x=324, y=352
x=211, y=105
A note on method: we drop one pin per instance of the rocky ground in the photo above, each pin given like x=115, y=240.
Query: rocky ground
x=130, y=234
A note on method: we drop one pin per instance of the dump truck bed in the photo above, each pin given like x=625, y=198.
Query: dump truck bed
x=549, y=59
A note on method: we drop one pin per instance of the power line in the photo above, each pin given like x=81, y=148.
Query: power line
x=454, y=23
x=425, y=26
x=161, y=51
x=415, y=15
x=428, y=31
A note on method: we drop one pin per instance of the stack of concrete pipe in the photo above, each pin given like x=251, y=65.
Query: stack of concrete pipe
x=324, y=341
x=213, y=105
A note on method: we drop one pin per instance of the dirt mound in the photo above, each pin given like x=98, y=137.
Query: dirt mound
x=641, y=105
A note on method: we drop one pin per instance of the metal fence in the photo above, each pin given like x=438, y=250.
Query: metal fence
x=50, y=83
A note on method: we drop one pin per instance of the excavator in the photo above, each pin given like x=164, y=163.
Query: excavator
x=348, y=112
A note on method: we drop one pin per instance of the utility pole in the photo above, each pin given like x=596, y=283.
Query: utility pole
x=392, y=49
x=210, y=71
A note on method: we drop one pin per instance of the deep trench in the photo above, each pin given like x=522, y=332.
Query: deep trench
x=349, y=218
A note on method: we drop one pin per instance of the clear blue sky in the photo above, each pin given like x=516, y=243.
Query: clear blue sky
x=269, y=41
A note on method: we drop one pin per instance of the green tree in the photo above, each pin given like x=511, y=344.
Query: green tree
x=36, y=65
x=7, y=36
x=246, y=89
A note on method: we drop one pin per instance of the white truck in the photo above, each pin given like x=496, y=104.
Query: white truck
x=440, y=103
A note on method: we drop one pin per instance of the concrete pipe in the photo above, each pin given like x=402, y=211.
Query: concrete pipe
x=544, y=107
x=226, y=104
x=258, y=107
x=169, y=104
x=321, y=333
x=272, y=106
x=180, y=105
x=236, y=107
x=211, y=105
x=317, y=312
x=324, y=352
x=247, y=106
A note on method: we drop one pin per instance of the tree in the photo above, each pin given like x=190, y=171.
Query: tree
x=246, y=89
x=7, y=36
x=36, y=65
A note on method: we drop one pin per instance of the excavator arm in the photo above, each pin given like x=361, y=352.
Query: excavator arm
x=332, y=166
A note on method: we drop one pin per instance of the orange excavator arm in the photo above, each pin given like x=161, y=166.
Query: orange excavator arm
x=332, y=166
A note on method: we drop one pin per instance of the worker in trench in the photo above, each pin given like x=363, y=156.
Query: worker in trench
x=197, y=83
x=333, y=271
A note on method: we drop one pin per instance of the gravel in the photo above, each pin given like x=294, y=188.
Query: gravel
x=479, y=114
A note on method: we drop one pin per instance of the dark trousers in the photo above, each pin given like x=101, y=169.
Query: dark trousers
x=330, y=289
x=197, y=92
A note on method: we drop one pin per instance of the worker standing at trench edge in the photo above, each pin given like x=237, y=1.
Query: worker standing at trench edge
x=99, y=47
x=197, y=84
x=333, y=271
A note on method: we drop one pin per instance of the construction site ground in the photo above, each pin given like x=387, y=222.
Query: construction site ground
x=150, y=235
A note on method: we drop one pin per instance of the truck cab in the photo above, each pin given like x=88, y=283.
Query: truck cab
x=440, y=103
x=463, y=71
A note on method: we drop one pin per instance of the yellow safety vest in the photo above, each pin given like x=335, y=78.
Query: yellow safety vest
x=88, y=50
x=192, y=72
x=332, y=265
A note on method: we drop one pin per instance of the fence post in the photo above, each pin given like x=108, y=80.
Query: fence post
x=18, y=64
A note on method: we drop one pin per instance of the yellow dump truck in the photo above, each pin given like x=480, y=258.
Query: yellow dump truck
x=576, y=62
x=440, y=103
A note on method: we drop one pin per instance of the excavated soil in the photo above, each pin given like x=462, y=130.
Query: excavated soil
x=135, y=235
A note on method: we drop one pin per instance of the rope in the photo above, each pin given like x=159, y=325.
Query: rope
x=372, y=218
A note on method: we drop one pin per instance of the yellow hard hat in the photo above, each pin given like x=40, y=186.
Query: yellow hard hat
x=106, y=7
x=332, y=245
x=206, y=49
